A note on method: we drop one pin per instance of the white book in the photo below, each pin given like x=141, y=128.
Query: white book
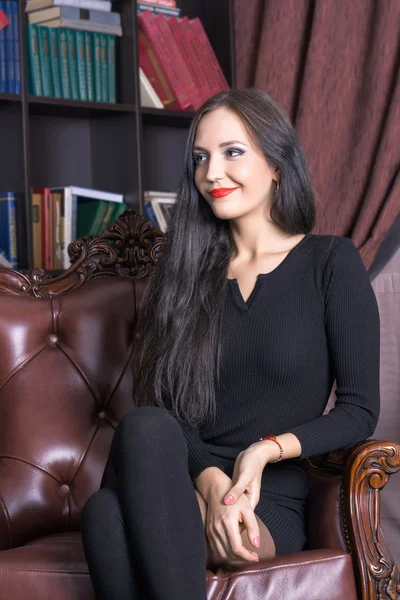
x=159, y=214
x=148, y=95
x=4, y=262
x=95, y=194
x=103, y=5
x=156, y=194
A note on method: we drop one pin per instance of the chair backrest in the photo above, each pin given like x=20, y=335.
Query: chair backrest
x=65, y=375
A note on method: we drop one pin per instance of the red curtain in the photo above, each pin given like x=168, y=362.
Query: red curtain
x=333, y=65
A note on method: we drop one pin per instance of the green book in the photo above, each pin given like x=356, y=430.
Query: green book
x=89, y=48
x=104, y=69
x=64, y=71
x=32, y=46
x=72, y=63
x=55, y=62
x=98, y=96
x=90, y=215
x=80, y=59
x=107, y=217
x=44, y=54
x=119, y=209
x=111, y=70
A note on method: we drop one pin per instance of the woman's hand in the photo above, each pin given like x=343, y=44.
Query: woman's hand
x=224, y=525
x=247, y=474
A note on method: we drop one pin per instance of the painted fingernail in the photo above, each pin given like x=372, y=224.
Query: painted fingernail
x=257, y=542
x=229, y=499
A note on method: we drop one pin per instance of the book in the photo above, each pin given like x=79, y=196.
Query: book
x=218, y=79
x=148, y=95
x=44, y=59
x=104, y=68
x=8, y=227
x=84, y=25
x=166, y=3
x=81, y=64
x=157, y=9
x=119, y=209
x=90, y=217
x=150, y=214
x=103, y=5
x=55, y=63
x=72, y=63
x=4, y=263
x=17, y=53
x=64, y=68
x=57, y=258
x=185, y=39
x=148, y=24
x=37, y=232
x=3, y=64
x=35, y=75
x=154, y=73
x=97, y=67
x=89, y=66
x=46, y=226
x=185, y=77
x=9, y=30
x=196, y=59
x=107, y=217
x=111, y=69
x=74, y=12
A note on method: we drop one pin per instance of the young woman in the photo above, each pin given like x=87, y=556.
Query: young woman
x=248, y=323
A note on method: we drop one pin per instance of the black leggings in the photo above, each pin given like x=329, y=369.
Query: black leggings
x=145, y=539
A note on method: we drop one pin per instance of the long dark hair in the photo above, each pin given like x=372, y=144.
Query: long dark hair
x=177, y=336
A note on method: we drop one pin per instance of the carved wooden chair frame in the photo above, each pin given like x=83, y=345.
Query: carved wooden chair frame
x=132, y=247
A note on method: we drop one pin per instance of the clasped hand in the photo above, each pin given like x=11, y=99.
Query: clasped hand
x=226, y=520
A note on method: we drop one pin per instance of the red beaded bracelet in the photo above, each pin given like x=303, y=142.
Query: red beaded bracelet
x=273, y=438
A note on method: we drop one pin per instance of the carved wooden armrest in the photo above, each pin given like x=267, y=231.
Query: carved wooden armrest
x=368, y=469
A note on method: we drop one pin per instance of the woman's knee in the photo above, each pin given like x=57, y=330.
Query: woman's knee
x=101, y=504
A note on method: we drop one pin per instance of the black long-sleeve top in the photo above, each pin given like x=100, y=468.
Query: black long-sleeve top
x=311, y=321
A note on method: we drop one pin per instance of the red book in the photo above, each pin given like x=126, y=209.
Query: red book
x=47, y=228
x=166, y=3
x=187, y=82
x=148, y=24
x=219, y=82
x=154, y=73
x=178, y=28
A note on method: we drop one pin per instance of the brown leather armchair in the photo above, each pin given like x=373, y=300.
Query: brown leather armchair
x=66, y=380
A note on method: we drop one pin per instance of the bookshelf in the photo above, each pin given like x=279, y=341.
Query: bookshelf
x=121, y=147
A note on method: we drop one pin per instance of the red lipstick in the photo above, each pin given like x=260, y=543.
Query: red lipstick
x=221, y=192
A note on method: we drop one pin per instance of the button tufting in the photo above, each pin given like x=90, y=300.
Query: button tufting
x=102, y=415
x=53, y=339
x=64, y=489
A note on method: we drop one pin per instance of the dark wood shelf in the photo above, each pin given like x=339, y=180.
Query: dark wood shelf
x=161, y=116
x=75, y=108
x=10, y=98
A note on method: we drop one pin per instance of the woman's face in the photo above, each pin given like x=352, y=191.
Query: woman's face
x=231, y=173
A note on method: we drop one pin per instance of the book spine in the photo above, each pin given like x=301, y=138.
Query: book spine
x=196, y=61
x=44, y=58
x=97, y=67
x=151, y=68
x=35, y=79
x=67, y=212
x=8, y=227
x=111, y=69
x=107, y=216
x=47, y=229
x=118, y=210
x=3, y=64
x=54, y=62
x=160, y=217
x=64, y=70
x=149, y=25
x=56, y=234
x=80, y=53
x=186, y=81
x=17, y=51
x=8, y=9
x=89, y=65
x=150, y=214
x=102, y=5
x=166, y=3
x=155, y=9
x=104, y=70
x=72, y=64
x=37, y=230
x=220, y=83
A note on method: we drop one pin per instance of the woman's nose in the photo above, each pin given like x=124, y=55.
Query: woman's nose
x=215, y=170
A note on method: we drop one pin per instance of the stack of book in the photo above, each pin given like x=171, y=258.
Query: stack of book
x=72, y=49
x=8, y=231
x=10, y=61
x=158, y=208
x=61, y=215
x=178, y=66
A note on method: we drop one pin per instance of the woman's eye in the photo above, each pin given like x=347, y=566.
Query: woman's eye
x=197, y=158
x=233, y=152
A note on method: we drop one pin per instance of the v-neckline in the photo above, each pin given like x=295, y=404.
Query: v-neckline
x=245, y=305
